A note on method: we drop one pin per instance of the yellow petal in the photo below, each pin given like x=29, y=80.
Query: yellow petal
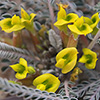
x=88, y=20
x=60, y=63
x=74, y=29
x=17, y=27
x=24, y=14
x=40, y=79
x=23, y=62
x=32, y=15
x=91, y=65
x=61, y=14
x=41, y=87
x=82, y=59
x=86, y=29
x=52, y=82
x=87, y=51
x=70, y=51
x=15, y=20
x=68, y=67
x=23, y=20
x=83, y=30
x=5, y=23
x=95, y=19
x=16, y=67
x=71, y=17
x=79, y=22
x=21, y=75
x=60, y=22
x=54, y=86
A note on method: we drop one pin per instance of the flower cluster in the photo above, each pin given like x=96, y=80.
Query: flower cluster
x=46, y=81
x=16, y=24
x=11, y=24
x=67, y=59
x=22, y=69
x=78, y=26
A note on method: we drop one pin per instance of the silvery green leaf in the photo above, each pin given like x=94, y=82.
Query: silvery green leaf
x=72, y=98
x=55, y=40
x=87, y=98
x=98, y=41
x=74, y=5
x=75, y=89
x=6, y=15
x=4, y=7
x=58, y=95
x=52, y=1
x=45, y=16
x=85, y=82
x=37, y=25
x=80, y=86
x=14, y=3
x=71, y=93
x=89, y=93
x=97, y=96
x=90, y=36
x=93, y=79
x=4, y=68
x=71, y=83
x=81, y=13
x=82, y=94
x=65, y=98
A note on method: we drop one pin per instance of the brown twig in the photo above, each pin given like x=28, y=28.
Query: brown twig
x=91, y=45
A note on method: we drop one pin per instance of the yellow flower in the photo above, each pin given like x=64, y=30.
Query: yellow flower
x=22, y=69
x=89, y=58
x=80, y=28
x=66, y=59
x=27, y=19
x=63, y=19
x=93, y=21
x=47, y=82
x=11, y=24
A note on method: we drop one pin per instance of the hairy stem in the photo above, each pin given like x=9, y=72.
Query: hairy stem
x=51, y=11
x=66, y=90
x=52, y=16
